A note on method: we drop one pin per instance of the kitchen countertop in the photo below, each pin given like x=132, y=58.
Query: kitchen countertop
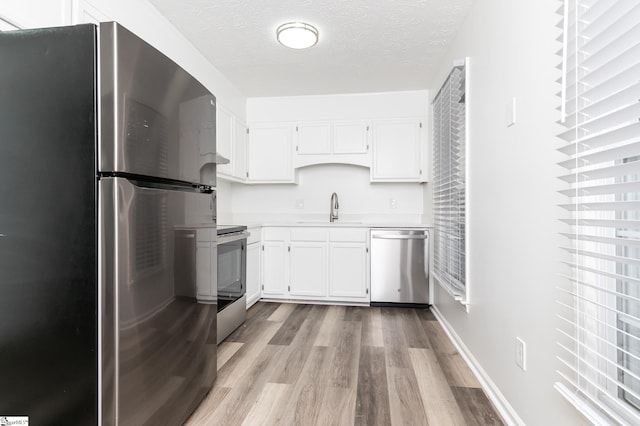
x=310, y=224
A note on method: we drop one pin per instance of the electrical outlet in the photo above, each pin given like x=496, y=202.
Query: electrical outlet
x=299, y=204
x=521, y=354
x=393, y=203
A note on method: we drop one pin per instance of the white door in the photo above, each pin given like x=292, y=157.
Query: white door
x=350, y=137
x=348, y=270
x=224, y=139
x=239, y=162
x=308, y=266
x=253, y=273
x=273, y=268
x=270, y=153
x=314, y=138
x=396, y=150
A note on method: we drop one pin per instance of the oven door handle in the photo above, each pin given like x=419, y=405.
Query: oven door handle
x=229, y=238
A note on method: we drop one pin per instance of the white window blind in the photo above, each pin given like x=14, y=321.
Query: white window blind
x=449, y=184
x=599, y=303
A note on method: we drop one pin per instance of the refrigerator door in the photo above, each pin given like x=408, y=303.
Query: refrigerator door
x=159, y=341
x=156, y=119
x=48, y=242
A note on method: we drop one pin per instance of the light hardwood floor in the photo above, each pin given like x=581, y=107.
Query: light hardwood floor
x=339, y=365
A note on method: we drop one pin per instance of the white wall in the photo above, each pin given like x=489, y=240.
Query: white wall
x=359, y=199
x=512, y=203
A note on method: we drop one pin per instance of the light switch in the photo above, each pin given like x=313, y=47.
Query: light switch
x=511, y=112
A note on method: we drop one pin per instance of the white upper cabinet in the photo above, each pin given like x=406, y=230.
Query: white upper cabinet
x=224, y=139
x=313, y=138
x=350, y=137
x=231, y=144
x=239, y=150
x=325, y=142
x=397, y=150
x=270, y=153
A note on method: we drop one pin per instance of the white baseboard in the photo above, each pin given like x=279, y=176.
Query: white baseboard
x=505, y=409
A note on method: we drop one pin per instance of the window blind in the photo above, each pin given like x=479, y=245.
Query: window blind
x=449, y=184
x=599, y=298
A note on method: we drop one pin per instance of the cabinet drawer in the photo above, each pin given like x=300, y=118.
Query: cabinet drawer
x=308, y=234
x=356, y=235
x=255, y=236
x=275, y=234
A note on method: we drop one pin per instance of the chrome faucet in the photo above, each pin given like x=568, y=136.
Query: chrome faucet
x=333, y=216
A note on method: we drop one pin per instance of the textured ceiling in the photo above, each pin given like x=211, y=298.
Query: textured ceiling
x=365, y=45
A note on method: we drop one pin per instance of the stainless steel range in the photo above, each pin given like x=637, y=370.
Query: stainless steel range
x=232, y=278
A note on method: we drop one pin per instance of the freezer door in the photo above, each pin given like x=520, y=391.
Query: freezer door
x=159, y=341
x=156, y=120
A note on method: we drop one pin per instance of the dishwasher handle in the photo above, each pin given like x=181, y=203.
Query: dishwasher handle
x=401, y=237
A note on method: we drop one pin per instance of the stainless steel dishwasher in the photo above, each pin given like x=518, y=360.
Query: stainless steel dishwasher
x=399, y=266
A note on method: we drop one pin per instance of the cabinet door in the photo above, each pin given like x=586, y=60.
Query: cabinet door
x=348, y=271
x=396, y=150
x=270, y=153
x=350, y=137
x=253, y=273
x=239, y=155
x=273, y=269
x=307, y=273
x=314, y=138
x=224, y=141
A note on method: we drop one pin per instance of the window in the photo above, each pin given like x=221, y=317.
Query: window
x=599, y=333
x=449, y=184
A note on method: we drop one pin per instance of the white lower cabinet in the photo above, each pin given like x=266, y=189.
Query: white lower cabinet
x=274, y=260
x=316, y=264
x=348, y=278
x=253, y=266
x=307, y=263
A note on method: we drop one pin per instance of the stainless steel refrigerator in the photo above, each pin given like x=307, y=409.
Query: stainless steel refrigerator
x=103, y=143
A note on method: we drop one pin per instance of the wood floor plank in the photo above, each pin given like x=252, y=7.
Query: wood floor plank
x=396, y=349
x=271, y=397
x=344, y=368
x=426, y=314
x=305, y=399
x=326, y=335
x=208, y=406
x=282, y=312
x=372, y=399
x=414, y=332
x=294, y=358
x=291, y=325
x=354, y=313
x=476, y=407
x=226, y=350
x=440, y=404
x=244, y=394
x=261, y=311
x=372, y=328
x=338, y=407
x=236, y=366
x=454, y=367
x=405, y=401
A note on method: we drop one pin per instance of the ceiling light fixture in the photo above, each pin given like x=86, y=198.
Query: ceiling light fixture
x=297, y=35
